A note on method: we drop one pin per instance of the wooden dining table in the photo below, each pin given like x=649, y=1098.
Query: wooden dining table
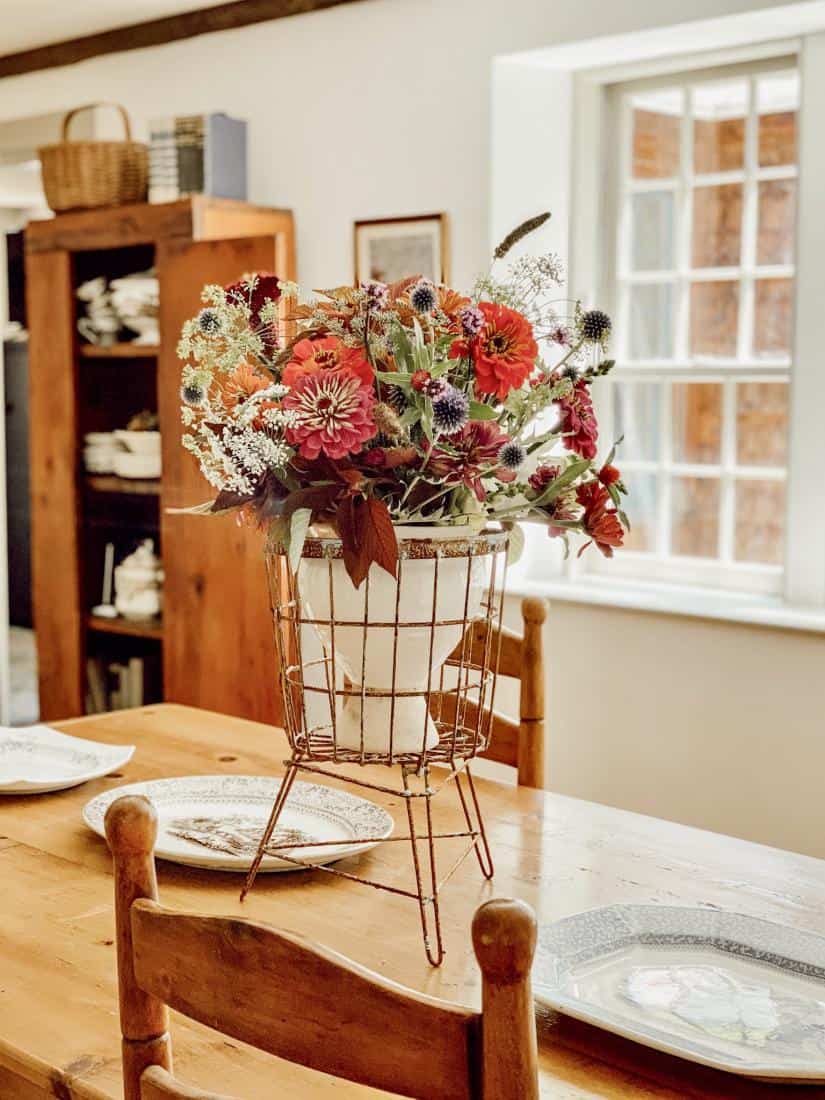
x=59, y=1034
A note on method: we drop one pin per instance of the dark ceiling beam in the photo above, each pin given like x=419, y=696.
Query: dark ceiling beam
x=157, y=32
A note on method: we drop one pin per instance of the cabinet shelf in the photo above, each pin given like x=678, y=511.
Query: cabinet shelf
x=126, y=486
x=118, y=351
x=134, y=628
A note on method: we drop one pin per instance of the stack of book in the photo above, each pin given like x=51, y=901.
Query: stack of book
x=115, y=685
x=197, y=155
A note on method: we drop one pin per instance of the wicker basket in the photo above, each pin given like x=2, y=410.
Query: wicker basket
x=79, y=175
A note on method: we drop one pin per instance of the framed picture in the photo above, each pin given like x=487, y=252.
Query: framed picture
x=388, y=249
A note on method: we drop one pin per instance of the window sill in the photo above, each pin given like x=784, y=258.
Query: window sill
x=670, y=599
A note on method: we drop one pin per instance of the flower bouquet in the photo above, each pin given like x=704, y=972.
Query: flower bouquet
x=388, y=414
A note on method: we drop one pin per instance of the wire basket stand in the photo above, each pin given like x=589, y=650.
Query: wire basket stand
x=403, y=678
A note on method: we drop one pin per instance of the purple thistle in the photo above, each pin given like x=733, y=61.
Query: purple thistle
x=511, y=455
x=471, y=320
x=451, y=411
x=422, y=296
x=435, y=387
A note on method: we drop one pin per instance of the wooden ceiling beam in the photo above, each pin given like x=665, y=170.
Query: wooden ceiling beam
x=157, y=32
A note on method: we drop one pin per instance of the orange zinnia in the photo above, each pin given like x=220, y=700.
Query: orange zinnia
x=328, y=353
x=504, y=352
x=241, y=384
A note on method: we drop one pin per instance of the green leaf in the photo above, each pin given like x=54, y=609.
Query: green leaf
x=410, y=416
x=480, y=411
x=395, y=378
x=566, y=478
x=624, y=518
x=298, y=527
x=402, y=347
x=427, y=424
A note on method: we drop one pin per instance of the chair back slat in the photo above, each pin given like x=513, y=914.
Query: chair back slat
x=504, y=732
x=474, y=650
x=521, y=745
x=303, y=1003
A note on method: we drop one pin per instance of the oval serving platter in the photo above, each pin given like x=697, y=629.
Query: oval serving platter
x=216, y=821
x=722, y=989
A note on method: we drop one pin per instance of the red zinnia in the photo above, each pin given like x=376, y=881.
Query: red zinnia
x=327, y=353
x=333, y=413
x=504, y=352
x=578, y=421
x=599, y=521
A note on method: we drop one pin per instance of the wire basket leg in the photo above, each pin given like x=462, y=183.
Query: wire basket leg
x=280, y=801
x=475, y=822
x=430, y=921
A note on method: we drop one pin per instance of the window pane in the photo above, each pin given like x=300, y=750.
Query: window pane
x=777, y=103
x=719, y=112
x=636, y=417
x=773, y=317
x=760, y=521
x=697, y=421
x=643, y=513
x=777, y=217
x=714, y=319
x=717, y=226
x=653, y=231
x=657, y=128
x=695, y=517
x=762, y=423
x=651, y=322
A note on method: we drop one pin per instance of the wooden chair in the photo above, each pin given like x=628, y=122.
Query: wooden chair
x=519, y=744
x=308, y=1004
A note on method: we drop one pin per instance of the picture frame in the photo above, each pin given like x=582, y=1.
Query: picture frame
x=388, y=249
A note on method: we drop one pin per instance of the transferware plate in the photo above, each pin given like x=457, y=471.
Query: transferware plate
x=719, y=988
x=38, y=759
x=216, y=821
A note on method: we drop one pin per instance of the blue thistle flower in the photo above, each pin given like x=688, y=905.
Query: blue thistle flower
x=422, y=296
x=595, y=326
x=471, y=320
x=209, y=322
x=512, y=455
x=193, y=393
x=451, y=411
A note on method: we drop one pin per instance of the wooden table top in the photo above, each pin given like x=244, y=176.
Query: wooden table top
x=59, y=1032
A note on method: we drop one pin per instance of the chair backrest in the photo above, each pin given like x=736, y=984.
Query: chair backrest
x=519, y=744
x=308, y=1004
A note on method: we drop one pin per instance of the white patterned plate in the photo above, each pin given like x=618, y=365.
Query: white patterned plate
x=38, y=759
x=216, y=821
x=722, y=989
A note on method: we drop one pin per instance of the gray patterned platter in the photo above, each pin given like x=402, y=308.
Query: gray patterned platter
x=722, y=989
x=37, y=759
x=216, y=821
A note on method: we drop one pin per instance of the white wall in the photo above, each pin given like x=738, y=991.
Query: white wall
x=383, y=108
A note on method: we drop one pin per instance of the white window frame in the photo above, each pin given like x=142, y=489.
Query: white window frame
x=659, y=564
x=802, y=581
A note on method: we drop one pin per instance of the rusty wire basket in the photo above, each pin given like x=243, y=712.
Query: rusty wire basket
x=396, y=672
x=400, y=672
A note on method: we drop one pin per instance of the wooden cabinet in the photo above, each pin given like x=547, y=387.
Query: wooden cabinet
x=216, y=634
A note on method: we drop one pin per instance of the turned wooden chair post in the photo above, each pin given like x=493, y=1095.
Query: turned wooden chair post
x=131, y=830
x=531, y=748
x=504, y=939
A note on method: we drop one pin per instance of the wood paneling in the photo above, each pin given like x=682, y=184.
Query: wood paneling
x=219, y=648
x=156, y=32
x=54, y=487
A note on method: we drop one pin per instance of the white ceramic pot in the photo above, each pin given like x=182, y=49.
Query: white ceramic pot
x=366, y=656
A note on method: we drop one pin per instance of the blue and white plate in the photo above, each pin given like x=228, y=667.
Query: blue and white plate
x=723, y=989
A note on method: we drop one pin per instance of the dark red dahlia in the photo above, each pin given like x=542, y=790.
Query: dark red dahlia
x=267, y=289
x=541, y=477
x=578, y=421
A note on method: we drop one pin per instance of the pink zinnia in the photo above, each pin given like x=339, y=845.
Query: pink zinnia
x=333, y=413
x=578, y=421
